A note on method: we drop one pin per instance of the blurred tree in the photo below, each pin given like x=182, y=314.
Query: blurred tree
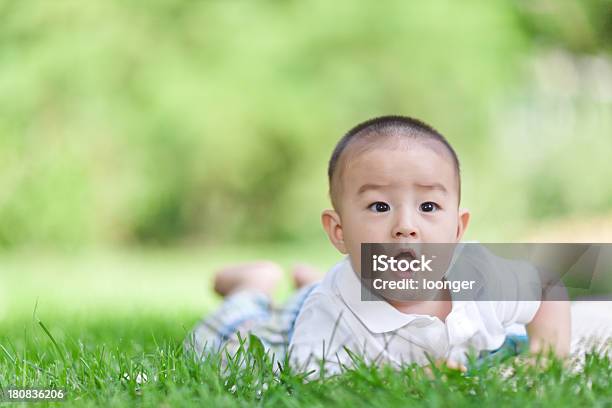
x=187, y=120
x=580, y=26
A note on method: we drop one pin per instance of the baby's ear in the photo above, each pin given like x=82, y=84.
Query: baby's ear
x=464, y=220
x=333, y=226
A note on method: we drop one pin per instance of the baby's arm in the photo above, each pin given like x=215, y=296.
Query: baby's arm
x=551, y=325
x=550, y=328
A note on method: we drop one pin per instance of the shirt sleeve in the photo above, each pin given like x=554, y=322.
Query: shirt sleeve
x=512, y=286
x=520, y=291
x=319, y=337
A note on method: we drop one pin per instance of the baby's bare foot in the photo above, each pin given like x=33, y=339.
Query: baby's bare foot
x=262, y=276
x=304, y=274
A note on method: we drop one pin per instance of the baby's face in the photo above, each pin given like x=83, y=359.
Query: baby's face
x=405, y=194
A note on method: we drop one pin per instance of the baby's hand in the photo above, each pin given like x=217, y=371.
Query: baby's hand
x=453, y=365
x=441, y=363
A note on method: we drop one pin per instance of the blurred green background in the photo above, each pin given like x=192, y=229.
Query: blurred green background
x=143, y=144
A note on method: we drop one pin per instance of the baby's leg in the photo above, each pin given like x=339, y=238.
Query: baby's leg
x=247, y=289
x=261, y=276
x=304, y=275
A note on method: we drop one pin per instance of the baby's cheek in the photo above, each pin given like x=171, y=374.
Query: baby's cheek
x=381, y=234
x=443, y=229
x=451, y=229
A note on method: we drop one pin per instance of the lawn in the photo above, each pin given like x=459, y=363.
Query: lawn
x=108, y=328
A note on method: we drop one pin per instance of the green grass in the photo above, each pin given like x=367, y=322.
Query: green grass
x=98, y=362
x=87, y=283
x=92, y=323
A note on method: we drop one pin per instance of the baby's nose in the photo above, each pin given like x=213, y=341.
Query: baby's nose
x=406, y=233
x=405, y=228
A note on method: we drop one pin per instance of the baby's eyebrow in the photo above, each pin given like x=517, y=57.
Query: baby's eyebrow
x=370, y=186
x=432, y=186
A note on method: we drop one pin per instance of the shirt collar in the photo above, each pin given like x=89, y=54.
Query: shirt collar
x=377, y=315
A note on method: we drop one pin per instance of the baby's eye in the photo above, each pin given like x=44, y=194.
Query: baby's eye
x=429, y=206
x=379, y=207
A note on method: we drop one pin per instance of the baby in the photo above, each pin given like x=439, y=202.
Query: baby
x=396, y=180
x=392, y=179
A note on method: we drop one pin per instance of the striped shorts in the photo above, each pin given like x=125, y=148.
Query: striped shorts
x=244, y=313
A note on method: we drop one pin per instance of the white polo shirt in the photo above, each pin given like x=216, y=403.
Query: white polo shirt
x=334, y=317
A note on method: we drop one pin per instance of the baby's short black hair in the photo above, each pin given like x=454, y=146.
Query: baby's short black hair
x=384, y=126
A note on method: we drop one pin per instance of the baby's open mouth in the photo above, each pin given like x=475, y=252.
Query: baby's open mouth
x=408, y=255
